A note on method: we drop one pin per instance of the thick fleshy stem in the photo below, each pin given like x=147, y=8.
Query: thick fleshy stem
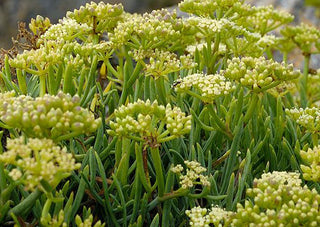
x=155, y=154
x=26, y=204
x=252, y=107
x=304, y=81
x=42, y=85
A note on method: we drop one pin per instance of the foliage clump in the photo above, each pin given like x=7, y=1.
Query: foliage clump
x=153, y=120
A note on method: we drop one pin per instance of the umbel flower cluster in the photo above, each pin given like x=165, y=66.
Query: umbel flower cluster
x=279, y=200
x=150, y=31
x=259, y=74
x=276, y=199
x=207, y=8
x=39, y=25
x=309, y=117
x=161, y=63
x=37, y=160
x=207, y=87
x=101, y=17
x=203, y=217
x=193, y=176
x=265, y=19
x=306, y=37
x=311, y=157
x=146, y=119
x=47, y=116
x=69, y=40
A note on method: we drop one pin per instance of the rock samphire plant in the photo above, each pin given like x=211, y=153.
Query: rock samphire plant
x=116, y=119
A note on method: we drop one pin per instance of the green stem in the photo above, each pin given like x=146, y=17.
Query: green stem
x=42, y=85
x=285, y=57
x=51, y=80
x=112, y=70
x=315, y=139
x=155, y=154
x=140, y=168
x=252, y=107
x=166, y=139
x=304, y=81
x=195, y=95
x=26, y=204
x=67, y=82
x=178, y=193
x=22, y=82
x=67, y=136
x=135, y=74
x=147, y=88
x=159, y=82
x=216, y=117
x=122, y=170
x=46, y=208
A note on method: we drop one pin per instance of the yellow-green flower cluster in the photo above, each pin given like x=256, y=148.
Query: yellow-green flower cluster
x=311, y=157
x=65, y=31
x=80, y=55
x=283, y=88
x=193, y=176
x=53, y=53
x=268, y=41
x=56, y=46
x=309, y=118
x=157, y=29
x=143, y=118
x=104, y=17
x=279, y=200
x=202, y=217
x=265, y=19
x=209, y=87
x=38, y=59
x=37, y=160
x=208, y=8
x=85, y=50
x=161, y=63
x=210, y=27
x=306, y=37
x=48, y=116
x=259, y=74
x=39, y=25
x=235, y=37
